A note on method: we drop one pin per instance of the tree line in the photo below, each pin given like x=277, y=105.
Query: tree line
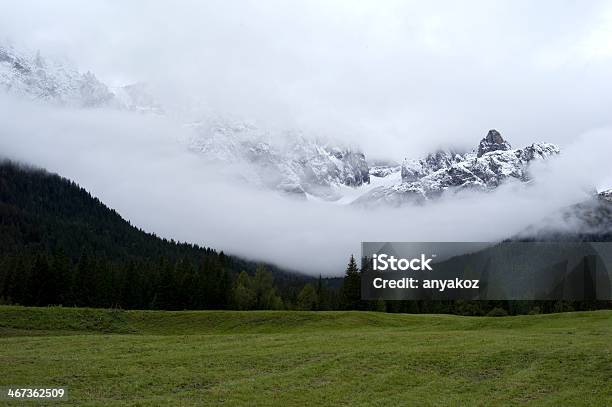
x=44, y=279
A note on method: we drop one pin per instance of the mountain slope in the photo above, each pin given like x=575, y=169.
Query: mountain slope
x=32, y=76
x=286, y=161
x=60, y=245
x=588, y=221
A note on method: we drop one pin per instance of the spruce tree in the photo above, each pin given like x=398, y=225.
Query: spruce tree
x=42, y=286
x=351, y=287
x=322, y=303
x=61, y=269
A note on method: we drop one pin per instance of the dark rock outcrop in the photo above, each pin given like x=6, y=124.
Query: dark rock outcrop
x=492, y=142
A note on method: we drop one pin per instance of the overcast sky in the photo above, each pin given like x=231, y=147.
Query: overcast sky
x=396, y=78
x=412, y=74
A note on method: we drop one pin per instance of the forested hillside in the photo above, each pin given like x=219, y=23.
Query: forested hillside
x=60, y=245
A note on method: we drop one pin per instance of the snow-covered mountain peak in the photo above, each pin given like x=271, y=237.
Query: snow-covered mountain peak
x=493, y=163
x=605, y=195
x=492, y=142
x=288, y=161
x=32, y=76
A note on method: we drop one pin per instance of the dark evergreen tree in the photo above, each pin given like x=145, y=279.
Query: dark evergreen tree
x=42, y=289
x=351, y=287
x=61, y=269
x=166, y=294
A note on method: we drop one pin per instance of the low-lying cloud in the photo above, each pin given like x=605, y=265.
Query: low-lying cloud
x=136, y=165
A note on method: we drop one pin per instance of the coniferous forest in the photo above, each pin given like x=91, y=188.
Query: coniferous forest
x=61, y=246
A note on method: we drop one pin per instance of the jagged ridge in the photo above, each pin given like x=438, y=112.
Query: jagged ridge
x=34, y=77
x=492, y=163
x=287, y=161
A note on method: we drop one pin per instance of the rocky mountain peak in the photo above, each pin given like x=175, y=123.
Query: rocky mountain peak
x=606, y=195
x=283, y=160
x=492, y=142
x=34, y=77
x=484, y=169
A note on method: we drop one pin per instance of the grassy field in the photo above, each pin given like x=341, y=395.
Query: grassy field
x=150, y=358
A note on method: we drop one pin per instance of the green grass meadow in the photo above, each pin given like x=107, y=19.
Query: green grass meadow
x=199, y=358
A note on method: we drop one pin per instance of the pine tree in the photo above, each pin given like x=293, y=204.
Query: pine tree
x=351, y=288
x=131, y=292
x=43, y=288
x=82, y=283
x=9, y=281
x=224, y=289
x=61, y=269
x=323, y=301
x=20, y=283
x=166, y=289
x=185, y=281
